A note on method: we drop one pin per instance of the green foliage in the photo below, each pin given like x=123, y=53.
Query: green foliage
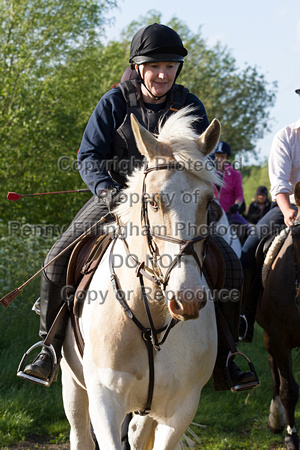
x=40, y=116
x=254, y=176
x=239, y=98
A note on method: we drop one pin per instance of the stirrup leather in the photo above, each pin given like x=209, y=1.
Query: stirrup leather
x=244, y=386
x=22, y=374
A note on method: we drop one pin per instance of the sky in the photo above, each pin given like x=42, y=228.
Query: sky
x=261, y=33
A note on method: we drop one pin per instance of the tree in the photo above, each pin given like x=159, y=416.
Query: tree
x=37, y=41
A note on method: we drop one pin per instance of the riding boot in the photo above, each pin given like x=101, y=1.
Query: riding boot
x=245, y=380
x=250, y=294
x=50, y=303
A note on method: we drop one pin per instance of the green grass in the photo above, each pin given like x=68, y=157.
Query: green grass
x=228, y=421
x=239, y=420
x=25, y=409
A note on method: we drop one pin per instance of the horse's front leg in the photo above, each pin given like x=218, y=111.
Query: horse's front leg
x=76, y=408
x=288, y=390
x=169, y=429
x=141, y=432
x=276, y=419
x=107, y=392
x=107, y=414
x=289, y=393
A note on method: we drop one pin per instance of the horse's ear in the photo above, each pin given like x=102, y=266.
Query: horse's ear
x=145, y=141
x=297, y=193
x=208, y=140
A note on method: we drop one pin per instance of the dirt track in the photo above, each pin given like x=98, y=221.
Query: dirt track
x=38, y=444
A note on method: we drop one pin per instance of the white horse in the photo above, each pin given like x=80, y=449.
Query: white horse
x=162, y=258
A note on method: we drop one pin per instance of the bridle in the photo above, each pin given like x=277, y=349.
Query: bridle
x=154, y=274
x=186, y=246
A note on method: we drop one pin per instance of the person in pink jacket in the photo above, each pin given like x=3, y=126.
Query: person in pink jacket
x=230, y=194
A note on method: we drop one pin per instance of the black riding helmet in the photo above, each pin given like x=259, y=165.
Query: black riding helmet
x=155, y=43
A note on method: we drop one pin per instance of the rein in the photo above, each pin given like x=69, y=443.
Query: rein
x=155, y=275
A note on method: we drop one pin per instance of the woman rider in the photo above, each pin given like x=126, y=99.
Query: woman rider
x=108, y=153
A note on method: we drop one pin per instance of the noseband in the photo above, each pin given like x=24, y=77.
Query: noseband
x=155, y=275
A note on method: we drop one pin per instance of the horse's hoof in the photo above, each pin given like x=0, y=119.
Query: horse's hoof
x=276, y=419
x=292, y=441
x=275, y=430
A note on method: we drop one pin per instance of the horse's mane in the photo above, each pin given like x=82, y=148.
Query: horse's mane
x=272, y=253
x=178, y=132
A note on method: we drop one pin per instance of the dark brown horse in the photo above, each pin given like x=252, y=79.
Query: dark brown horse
x=279, y=316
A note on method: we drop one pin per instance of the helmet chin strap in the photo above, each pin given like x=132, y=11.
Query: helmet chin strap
x=157, y=97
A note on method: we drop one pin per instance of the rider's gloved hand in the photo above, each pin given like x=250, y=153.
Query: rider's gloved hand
x=234, y=209
x=111, y=196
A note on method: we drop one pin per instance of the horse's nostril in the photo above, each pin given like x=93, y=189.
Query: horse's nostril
x=177, y=302
x=177, y=305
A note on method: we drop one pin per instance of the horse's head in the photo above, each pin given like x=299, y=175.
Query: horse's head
x=175, y=188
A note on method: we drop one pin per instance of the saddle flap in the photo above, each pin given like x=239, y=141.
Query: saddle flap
x=83, y=262
x=262, y=248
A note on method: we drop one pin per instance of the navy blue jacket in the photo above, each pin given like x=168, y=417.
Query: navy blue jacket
x=97, y=146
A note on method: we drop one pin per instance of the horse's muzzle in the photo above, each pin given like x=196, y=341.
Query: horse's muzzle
x=182, y=309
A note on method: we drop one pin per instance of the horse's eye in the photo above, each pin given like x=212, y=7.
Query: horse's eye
x=154, y=205
x=209, y=203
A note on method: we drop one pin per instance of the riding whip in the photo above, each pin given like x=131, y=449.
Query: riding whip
x=8, y=298
x=14, y=196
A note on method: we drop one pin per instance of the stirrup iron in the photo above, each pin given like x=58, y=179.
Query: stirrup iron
x=36, y=307
x=244, y=386
x=242, y=316
x=22, y=374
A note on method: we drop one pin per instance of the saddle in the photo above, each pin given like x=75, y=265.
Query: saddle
x=263, y=247
x=83, y=263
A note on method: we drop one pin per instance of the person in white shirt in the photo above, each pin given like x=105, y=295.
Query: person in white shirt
x=284, y=172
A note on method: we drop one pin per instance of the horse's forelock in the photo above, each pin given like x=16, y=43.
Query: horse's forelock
x=178, y=125
x=178, y=132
